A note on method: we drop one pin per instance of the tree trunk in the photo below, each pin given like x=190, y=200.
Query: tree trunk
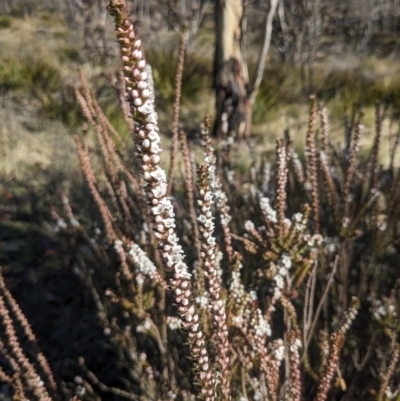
x=235, y=95
x=229, y=82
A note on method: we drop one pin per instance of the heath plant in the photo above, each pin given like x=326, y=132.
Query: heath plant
x=289, y=291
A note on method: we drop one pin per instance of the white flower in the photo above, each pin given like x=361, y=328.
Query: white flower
x=267, y=210
x=208, y=197
x=139, y=279
x=277, y=293
x=158, y=209
x=345, y=222
x=279, y=351
x=257, y=396
x=154, y=148
x=211, y=241
x=249, y=225
x=173, y=259
x=279, y=282
x=209, y=224
x=146, y=108
x=158, y=174
x=169, y=223
x=285, y=260
x=202, y=219
x=172, y=239
x=160, y=190
x=317, y=239
x=154, y=137
x=182, y=270
x=74, y=222
x=152, y=117
x=174, y=323
x=202, y=301
x=298, y=217
x=60, y=224
x=117, y=244
x=253, y=295
x=166, y=203
x=287, y=222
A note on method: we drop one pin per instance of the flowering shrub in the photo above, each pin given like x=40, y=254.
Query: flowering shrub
x=288, y=292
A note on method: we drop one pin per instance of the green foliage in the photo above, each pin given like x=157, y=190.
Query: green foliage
x=69, y=53
x=28, y=75
x=354, y=86
x=41, y=81
x=196, y=75
x=5, y=21
x=277, y=88
x=347, y=86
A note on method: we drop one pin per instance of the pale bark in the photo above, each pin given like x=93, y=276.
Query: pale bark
x=228, y=72
x=235, y=95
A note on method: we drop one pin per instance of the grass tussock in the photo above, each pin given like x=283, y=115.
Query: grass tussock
x=196, y=76
x=5, y=21
x=28, y=75
x=341, y=88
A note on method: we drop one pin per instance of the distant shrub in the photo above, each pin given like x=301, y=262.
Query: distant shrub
x=275, y=90
x=195, y=75
x=27, y=74
x=5, y=21
x=68, y=54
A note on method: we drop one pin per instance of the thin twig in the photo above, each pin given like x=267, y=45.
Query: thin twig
x=177, y=104
x=321, y=302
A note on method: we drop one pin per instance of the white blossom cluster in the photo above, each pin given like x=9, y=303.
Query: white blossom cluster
x=313, y=240
x=144, y=327
x=143, y=265
x=236, y=287
x=279, y=351
x=258, y=396
x=268, y=210
x=283, y=266
x=118, y=244
x=171, y=395
x=383, y=308
x=382, y=225
x=205, y=217
x=60, y=225
x=202, y=301
x=331, y=245
x=298, y=221
x=346, y=222
x=174, y=323
x=222, y=204
x=260, y=326
x=249, y=226
x=350, y=315
x=390, y=394
x=296, y=345
x=140, y=98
